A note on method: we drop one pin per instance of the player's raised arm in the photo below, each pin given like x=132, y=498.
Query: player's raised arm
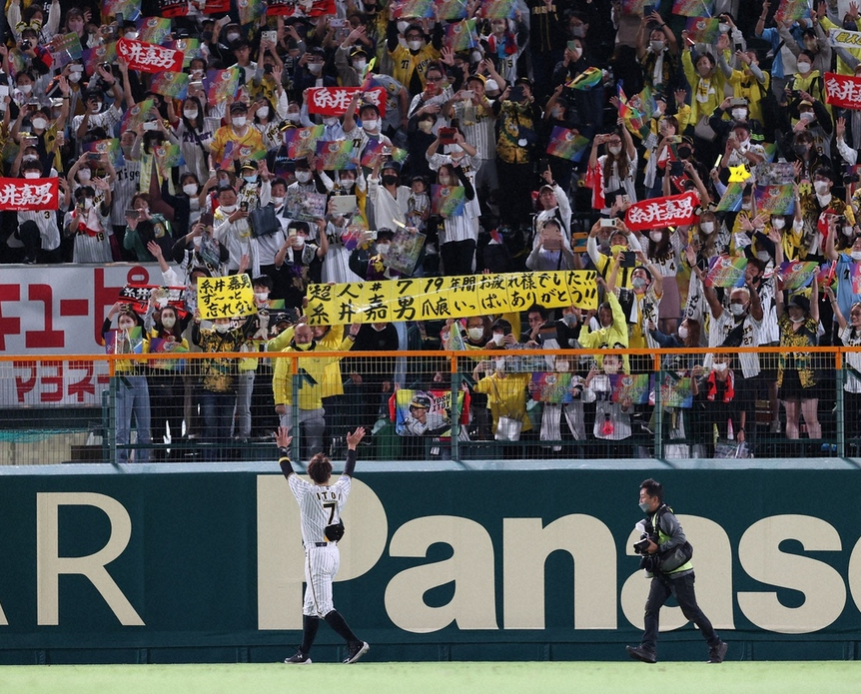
x=283, y=439
x=353, y=441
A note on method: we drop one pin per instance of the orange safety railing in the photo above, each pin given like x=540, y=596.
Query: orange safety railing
x=486, y=404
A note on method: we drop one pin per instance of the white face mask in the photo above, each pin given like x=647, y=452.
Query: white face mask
x=656, y=236
x=32, y=174
x=611, y=368
x=278, y=201
x=88, y=203
x=562, y=366
x=261, y=296
x=797, y=320
x=656, y=46
x=347, y=183
x=739, y=114
x=415, y=45
x=293, y=117
x=499, y=364
x=821, y=187
x=707, y=227
x=315, y=68
x=383, y=248
x=126, y=325
x=168, y=322
x=228, y=209
x=475, y=334
x=720, y=368
x=74, y=77
x=498, y=338
x=746, y=206
x=683, y=332
x=25, y=88
x=190, y=189
x=848, y=231
x=303, y=176
x=190, y=113
x=803, y=68
x=263, y=112
x=360, y=65
x=300, y=241
x=221, y=328
x=84, y=174
x=370, y=125
x=855, y=255
x=330, y=120
x=232, y=36
x=615, y=150
x=778, y=222
x=736, y=310
x=239, y=121
x=39, y=123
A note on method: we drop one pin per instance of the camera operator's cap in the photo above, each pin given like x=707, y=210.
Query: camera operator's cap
x=238, y=107
x=249, y=164
x=422, y=401
x=477, y=78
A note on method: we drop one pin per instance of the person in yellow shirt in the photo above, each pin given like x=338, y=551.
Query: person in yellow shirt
x=410, y=61
x=506, y=393
x=312, y=376
x=130, y=385
x=244, y=140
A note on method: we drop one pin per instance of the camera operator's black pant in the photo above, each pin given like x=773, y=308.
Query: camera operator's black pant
x=683, y=590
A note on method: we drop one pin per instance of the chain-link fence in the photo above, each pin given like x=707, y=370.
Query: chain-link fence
x=470, y=405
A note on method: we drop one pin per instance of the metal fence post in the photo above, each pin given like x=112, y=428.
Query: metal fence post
x=112, y=418
x=841, y=415
x=455, y=409
x=296, y=446
x=659, y=411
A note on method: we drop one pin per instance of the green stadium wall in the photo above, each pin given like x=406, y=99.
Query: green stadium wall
x=149, y=565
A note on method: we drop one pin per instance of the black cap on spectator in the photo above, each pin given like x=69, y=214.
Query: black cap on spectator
x=825, y=172
x=238, y=107
x=391, y=165
x=250, y=164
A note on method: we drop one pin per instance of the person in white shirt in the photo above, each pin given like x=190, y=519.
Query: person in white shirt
x=231, y=229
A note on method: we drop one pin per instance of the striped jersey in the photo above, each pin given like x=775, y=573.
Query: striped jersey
x=319, y=506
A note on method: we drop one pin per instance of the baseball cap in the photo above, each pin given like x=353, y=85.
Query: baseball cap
x=238, y=107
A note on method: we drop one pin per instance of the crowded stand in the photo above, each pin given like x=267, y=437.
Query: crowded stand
x=664, y=198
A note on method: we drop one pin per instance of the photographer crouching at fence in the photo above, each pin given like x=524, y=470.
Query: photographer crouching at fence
x=666, y=558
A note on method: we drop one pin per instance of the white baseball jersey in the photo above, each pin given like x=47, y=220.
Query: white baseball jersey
x=319, y=506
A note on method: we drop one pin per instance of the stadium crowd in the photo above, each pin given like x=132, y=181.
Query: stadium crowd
x=656, y=103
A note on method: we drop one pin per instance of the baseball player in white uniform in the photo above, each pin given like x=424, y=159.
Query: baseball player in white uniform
x=320, y=504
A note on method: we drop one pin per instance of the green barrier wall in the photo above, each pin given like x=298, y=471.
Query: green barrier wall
x=524, y=565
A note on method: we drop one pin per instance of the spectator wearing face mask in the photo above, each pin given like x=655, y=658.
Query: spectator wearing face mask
x=716, y=391
x=506, y=395
x=410, y=60
x=657, y=53
x=298, y=261
x=312, y=72
x=165, y=375
x=813, y=120
x=195, y=136
x=231, y=229
x=144, y=227
x=95, y=117
x=88, y=224
x=612, y=418
x=737, y=109
x=370, y=130
x=39, y=230
x=812, y=54
x=219, y=378
x=845, y=297
x=817, y=207
x=240, y=136
x=740, y=326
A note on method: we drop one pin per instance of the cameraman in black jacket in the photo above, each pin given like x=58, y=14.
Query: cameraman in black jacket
x=667, y=558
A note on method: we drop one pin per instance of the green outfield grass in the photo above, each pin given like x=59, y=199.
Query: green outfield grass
x=820, y=677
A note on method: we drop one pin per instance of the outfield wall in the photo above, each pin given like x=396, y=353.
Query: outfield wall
x=165, y=564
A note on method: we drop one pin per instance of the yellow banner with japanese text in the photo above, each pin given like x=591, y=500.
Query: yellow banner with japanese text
x=225, y=297
x=439, y=298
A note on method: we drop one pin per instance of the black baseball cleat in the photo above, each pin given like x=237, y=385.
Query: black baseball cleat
x=717, y=653
x=299, y=659
x=356, y=651
x=640, y=653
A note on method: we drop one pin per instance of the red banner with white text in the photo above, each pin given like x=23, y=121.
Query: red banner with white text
x=843, y=91
x=657, y=213
x=29, y=194
x=147, y=57
x=333, y=101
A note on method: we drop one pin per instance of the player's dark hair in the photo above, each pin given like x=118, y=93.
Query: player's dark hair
x=652, y=487
x=319, y=468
